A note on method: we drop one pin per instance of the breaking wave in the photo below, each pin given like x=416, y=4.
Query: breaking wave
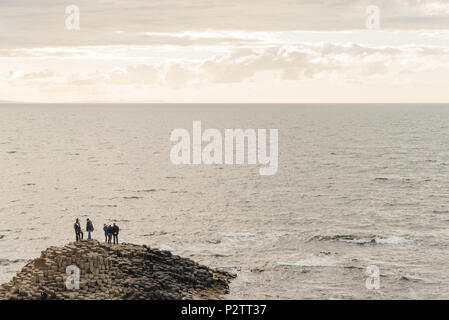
x=364, y=240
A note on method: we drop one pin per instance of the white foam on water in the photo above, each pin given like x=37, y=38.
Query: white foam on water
x=165, y=248
x=392, y=240
x=378, y=240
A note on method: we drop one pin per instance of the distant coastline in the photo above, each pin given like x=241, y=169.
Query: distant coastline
x=9, y=102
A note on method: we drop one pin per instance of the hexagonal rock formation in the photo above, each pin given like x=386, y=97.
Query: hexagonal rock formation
x=124, y=271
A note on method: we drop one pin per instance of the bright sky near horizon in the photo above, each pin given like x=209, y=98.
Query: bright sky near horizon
x=224, y=51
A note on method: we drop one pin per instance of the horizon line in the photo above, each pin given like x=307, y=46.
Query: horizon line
x=227, y=103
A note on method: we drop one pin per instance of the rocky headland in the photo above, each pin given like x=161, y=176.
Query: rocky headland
x=109, y=272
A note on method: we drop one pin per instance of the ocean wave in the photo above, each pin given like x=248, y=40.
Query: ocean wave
x=364, y=240
x=237, y=234
x=392, y=240
x=311, y=262
x=6, y=262
x=440, y=211
x=338, y=237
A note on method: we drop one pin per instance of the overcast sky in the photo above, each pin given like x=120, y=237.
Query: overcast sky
x=224, y=51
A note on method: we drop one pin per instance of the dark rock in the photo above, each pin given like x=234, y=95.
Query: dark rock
x=125, y=271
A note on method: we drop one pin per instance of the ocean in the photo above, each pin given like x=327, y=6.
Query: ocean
x=357, y=185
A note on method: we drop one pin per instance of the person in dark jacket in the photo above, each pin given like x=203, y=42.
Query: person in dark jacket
x=115, y=231
x=89, y=228
x=105, y=229
x=109, y=230
x=78, y=232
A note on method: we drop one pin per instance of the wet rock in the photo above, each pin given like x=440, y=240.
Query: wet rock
x=124, y=271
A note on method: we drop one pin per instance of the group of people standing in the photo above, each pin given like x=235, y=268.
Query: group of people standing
x=110, y=231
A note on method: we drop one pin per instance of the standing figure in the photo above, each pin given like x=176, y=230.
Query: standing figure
x=115, y=230
x=78, y=232
x=105, y=229
x=89, y=228
x=109, y=233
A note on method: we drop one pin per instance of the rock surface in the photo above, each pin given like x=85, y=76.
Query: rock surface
x=124, y=271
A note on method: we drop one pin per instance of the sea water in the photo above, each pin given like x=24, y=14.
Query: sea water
x=356, y=186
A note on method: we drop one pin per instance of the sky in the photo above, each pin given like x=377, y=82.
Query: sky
x=216, y=51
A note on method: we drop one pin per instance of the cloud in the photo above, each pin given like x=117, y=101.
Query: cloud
x=274, y=63
x=138, y=74
x=154, y=22
x=40, y=52
x=351, y=62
